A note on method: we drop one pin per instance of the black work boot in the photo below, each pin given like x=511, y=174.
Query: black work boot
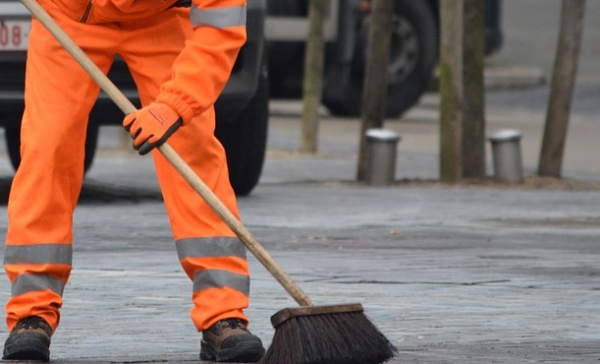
x=229, y=341
x=29, y=340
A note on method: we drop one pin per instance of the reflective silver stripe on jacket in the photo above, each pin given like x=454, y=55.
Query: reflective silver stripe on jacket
x=26, y=283
x=38, y=254
x=215, y=278
x=210, y=247
x=219, y=18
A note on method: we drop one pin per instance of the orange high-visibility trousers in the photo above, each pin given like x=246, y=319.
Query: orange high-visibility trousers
x=59, y=96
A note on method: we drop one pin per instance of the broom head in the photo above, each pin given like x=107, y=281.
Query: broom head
x=337, y=334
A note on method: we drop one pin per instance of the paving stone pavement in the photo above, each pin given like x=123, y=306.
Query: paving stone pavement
x=449, y=275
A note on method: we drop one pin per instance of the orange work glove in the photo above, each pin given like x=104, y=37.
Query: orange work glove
x=151, y=126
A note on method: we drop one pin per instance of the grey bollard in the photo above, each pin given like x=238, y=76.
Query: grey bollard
x=506, y=150
x=381, y=154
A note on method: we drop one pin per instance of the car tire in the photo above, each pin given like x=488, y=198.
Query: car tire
x=245, y=140
x=13, y=145
x=413, y=58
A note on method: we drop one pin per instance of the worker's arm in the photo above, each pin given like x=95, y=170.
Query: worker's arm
x=204, y=66
x=200, y=73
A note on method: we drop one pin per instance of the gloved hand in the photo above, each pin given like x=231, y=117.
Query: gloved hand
x=151, y=126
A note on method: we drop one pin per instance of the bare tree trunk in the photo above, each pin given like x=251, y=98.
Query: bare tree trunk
x=451, y=90
x=313, y=75
x=473, y=143
x=375, y=86
x=561, y=90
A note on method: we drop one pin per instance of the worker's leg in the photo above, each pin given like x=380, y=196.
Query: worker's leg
x=58, y=97
x=209, y=252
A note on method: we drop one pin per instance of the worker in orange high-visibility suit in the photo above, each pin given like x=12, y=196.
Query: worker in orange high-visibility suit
x=180, y=57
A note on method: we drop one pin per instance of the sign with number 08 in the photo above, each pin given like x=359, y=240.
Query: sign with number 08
x=13, y=34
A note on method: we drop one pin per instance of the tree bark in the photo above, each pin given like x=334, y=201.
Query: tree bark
x=561, y=89
x=313, y=75
x=451, y=90
x=375, y=85
x=473, y=143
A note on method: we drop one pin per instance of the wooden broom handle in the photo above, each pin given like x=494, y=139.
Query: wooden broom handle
x=172, y=157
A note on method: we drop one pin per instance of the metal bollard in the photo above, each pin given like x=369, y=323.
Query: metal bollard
x=506, y=150
x=381, y=154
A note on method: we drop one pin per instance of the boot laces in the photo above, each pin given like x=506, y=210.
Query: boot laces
x=33, y=322
x=234, y=323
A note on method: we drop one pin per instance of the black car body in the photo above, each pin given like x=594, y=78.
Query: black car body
x=242, y=108
x=414, y=50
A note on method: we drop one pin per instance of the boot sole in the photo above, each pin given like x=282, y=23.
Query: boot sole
x=249, y=352
x=27, y=349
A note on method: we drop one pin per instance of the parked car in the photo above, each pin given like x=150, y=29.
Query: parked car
x=414, y=52
x=242, y=109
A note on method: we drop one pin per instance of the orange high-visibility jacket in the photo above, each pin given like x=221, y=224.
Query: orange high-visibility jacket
x=204, y=66
x=219, y=31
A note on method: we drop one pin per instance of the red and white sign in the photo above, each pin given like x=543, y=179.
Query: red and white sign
x=14, y=34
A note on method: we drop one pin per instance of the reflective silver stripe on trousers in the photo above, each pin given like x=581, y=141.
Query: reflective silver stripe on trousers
x=214, y=278
x=38, y=254
x=210, y=247
x=26, y=283
x=218, y=18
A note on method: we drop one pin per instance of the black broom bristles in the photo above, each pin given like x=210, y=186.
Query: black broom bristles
x=328, y=338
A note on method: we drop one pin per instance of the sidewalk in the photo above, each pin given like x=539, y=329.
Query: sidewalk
x=418, y=150
x=463, y=274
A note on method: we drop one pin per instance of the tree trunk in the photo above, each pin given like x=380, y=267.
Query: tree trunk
x=375, y=85
x=451, y=90
x=561, y=89
x=473, y=143
x=313, y=75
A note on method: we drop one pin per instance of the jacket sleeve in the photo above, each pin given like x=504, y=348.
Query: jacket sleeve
x=202, y=69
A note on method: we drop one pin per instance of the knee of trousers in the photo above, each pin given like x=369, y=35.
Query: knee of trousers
x=54, y=152
x=189, y=214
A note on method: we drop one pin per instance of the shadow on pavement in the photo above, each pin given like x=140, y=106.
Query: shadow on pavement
x=97, y=192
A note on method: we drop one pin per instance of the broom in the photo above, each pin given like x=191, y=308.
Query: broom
x=337, y=334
